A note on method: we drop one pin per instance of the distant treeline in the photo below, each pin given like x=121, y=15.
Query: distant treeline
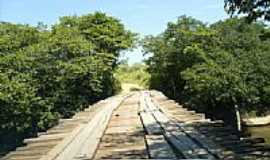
x=46, y=74
x=134, y=74
x=212, y=67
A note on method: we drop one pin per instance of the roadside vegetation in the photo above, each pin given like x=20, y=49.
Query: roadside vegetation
x=212, y=68
x=133, y=74
x=51, y=73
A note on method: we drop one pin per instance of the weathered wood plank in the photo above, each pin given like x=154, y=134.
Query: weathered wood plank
x=142, y=103
x=28, y=157
x=206, y=143
x=160, y=117
x=158, y=147
x=178, y=138
x=178, y=143
x=150, y=124
x=185, y=139
x=126, y=145
x=84, y=139
x=46, y=138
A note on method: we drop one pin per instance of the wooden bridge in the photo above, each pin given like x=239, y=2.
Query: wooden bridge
x=140, y=125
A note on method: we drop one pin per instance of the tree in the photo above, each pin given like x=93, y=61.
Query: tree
x=50, y=74
x=254, y=9
x=105, y=32
x=172, y=53
x=212, y=67
x=17, y=37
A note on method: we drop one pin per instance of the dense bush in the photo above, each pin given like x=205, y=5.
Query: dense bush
x=15, y=37
x=212, y=67
x=51, y=73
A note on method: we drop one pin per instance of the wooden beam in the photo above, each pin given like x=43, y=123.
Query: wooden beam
x=150, y=124
x=159, y=148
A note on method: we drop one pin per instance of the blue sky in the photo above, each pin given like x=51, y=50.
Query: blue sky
x=141, y=16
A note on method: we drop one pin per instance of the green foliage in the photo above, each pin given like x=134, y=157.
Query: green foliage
x=253, y=9
x=221, y=65
x=49, y=74
x=22, y=109
x=106, y=33
x=180, y=46
x=133, y=74
x=17, y=37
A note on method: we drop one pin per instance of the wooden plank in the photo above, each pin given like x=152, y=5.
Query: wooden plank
x=77, y=143
x=247, y=150
x=58, y=131
x=149, y=103
x=159, y=148
x=126, y=145
x=178, y=143
x=206, y=143
x=95, y=132
x=186, y=143
x=37, y=146
x=150, y=124
x=256, y=155
x=215, y=151
x=160, y=117
x=21, y=158
x=45, y=138
x=29, y=152
x=207, y=139
x=142, y=104
x=195, y=149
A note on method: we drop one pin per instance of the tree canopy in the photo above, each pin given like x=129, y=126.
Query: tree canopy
x=254, y=9
x=46, y=74
x=209, y=67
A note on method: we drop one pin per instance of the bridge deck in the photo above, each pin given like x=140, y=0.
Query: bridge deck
x=142, y=125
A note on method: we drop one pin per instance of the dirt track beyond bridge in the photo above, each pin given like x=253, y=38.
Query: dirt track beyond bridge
x=140, y=125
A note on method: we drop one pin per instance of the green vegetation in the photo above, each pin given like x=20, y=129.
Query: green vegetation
x=133, y=74
x=253, y=9
x=46, y=74
x=212, y=67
